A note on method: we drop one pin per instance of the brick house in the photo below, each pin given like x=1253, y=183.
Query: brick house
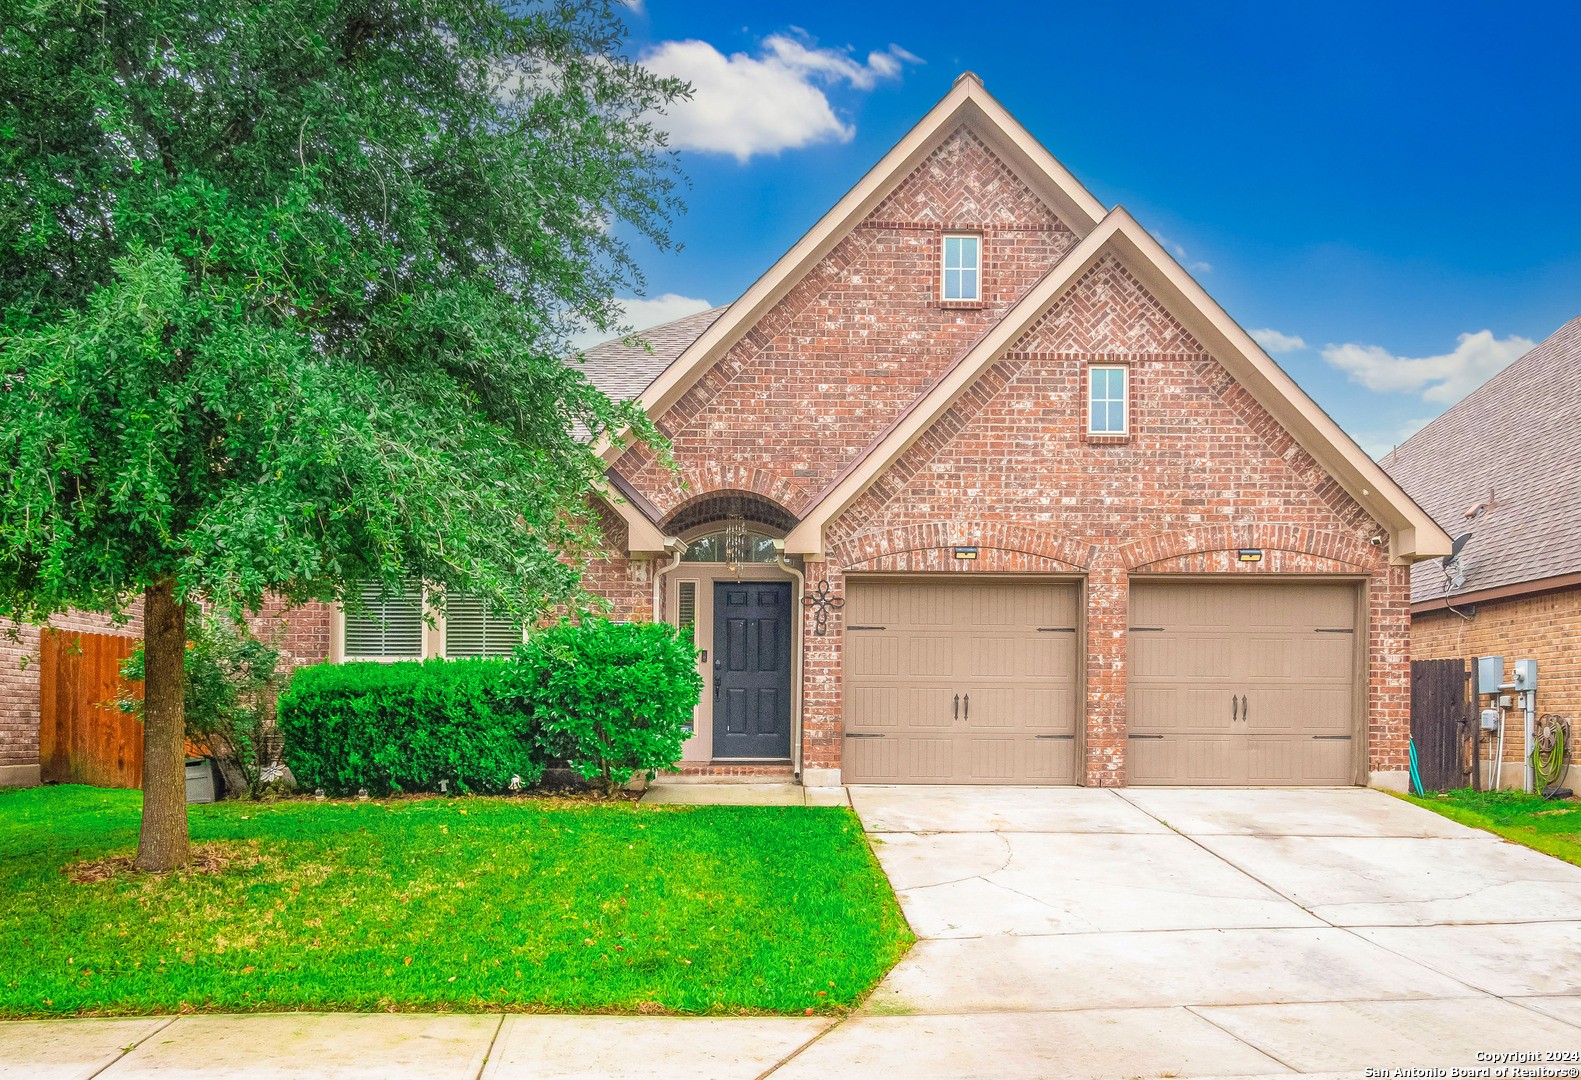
x=1502, y=467
x=977, y=485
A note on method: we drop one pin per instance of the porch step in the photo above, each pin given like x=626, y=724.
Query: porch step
x=708, y=772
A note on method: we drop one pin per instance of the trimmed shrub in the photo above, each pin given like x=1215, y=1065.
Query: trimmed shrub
x=406, y=726
x=611, y=699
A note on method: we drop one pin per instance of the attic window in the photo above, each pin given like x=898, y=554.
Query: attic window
x=1108, y=392
x=963, y=267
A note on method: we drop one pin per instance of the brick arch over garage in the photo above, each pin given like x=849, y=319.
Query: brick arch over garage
x=929, y=546
x=1285, y=547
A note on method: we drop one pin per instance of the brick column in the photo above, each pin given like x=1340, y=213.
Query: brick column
x=821, y=687
x=1108, y=601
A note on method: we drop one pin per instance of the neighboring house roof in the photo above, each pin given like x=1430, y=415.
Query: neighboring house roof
x=624, y=371
x=1413, y=533
x=1516, y=438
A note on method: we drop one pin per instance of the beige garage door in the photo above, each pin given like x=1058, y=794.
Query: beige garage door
x=1242, y=683
x=968, y=682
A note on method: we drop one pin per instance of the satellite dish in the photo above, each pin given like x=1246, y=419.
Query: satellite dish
x=1454, y=550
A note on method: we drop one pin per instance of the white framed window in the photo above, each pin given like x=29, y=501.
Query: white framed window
x=963, y=267
x=1108, y=399
x=471, y=629
x=389, y=626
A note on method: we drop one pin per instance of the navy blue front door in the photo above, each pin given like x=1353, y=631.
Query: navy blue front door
x=752, y=669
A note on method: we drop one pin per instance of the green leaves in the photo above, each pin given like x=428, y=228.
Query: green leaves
x=612, y=699
x=287, y=289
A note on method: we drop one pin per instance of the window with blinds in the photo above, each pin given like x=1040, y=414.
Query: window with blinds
x=686, y=617
x=389, y=627
x=471, y=629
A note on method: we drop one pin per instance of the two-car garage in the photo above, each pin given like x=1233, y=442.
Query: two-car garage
x=981, y=681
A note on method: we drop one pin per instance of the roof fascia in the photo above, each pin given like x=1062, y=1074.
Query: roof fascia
x=1414, y=535
x=967, y=101
x=807, y=538
x=642, y=535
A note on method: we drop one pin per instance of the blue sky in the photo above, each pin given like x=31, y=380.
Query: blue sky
x=1393, y=190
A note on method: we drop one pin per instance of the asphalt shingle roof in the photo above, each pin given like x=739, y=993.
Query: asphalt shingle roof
x=623, y=372
x=1517, y=436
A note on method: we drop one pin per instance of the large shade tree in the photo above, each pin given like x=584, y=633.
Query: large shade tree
x=285, y=285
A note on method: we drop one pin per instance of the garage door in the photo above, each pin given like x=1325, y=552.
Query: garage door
x=1241, y=683
x=960, y=682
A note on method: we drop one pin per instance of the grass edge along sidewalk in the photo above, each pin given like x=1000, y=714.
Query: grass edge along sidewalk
x=461, y=904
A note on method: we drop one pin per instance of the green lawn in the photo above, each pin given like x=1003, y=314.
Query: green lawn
x=466, y=904
x=1553, y=827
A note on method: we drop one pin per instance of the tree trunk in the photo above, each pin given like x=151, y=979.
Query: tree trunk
x=163, y=842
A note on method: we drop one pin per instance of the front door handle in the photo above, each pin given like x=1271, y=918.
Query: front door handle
x=717, y=668
x=955, y=714
x=1235, y=709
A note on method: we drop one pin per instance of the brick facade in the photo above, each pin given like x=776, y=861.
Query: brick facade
x=1544, y=627
x=1009, y=468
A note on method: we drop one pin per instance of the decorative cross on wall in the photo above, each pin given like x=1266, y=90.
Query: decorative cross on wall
x=822, y=601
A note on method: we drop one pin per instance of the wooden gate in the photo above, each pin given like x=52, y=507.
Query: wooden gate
x=82, y=737
x=1439, y=708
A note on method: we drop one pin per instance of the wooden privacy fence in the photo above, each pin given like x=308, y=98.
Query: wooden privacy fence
x=1439, y=709
x=82, y=737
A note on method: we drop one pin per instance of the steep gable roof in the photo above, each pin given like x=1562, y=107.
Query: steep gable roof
x=1515, y=437
x=1413, y=533
x=966, y=103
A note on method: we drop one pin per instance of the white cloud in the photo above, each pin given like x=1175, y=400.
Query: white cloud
x=1180, y=254
x=645, y=312
x=744, y=105
x=1444, y=379
x=1275, y=342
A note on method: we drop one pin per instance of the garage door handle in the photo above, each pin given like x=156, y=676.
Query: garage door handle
x=1345, y=738
x=867, y=628
x=864, y=734
x=1246, y=709
x=1055, y=736
x=1056, y=629
x=1144, y=736
x=1235, y=708
x=956, y=715
x=968, y=703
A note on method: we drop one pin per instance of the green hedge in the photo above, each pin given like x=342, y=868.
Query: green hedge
x=406, y=726
x=608, y=699
x=611, y=699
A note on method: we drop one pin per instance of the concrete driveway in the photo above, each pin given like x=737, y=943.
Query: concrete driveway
x=1083, y=932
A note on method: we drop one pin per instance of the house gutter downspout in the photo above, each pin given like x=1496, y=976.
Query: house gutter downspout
x=679, y=546
x=796, y=619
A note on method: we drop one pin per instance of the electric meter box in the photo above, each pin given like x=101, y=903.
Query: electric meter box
x=1525, y=674
x=1490, y=674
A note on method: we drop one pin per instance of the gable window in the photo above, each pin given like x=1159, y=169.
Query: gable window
x=471, y=629
x=389, y=626
x=963, y=267
x=1108, y=404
